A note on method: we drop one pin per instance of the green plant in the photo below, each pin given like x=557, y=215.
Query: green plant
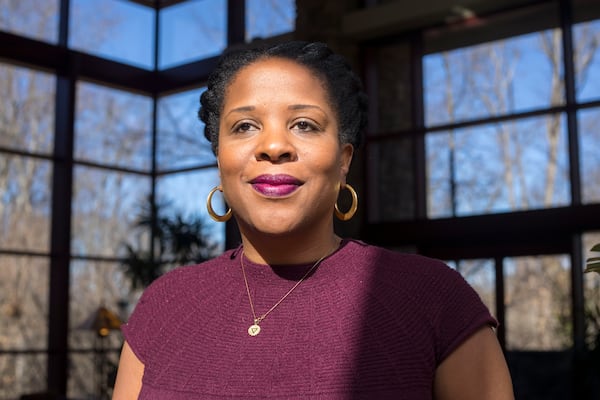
x=593, y=263
x=176, y=241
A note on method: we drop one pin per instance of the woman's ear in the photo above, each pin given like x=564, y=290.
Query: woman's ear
x=347, y=152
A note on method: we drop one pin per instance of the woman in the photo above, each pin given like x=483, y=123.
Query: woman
x=295, y=311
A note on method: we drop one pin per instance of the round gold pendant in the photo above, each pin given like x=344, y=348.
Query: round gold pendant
x=254, y=330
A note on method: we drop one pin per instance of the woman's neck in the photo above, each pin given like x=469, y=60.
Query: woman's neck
x=280, y=250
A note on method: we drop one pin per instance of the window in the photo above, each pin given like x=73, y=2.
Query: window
x=267, y=18
x=186, y=192
x=192, y=30
x=587, y=60
x=108, y=201
x=113, y=127
x=181, y=141
x=480, y=274
x=30, y=18
x=487, y=167
x=27, y=121
x=23, y=314
x=115, y=29
x=538, y=303
x=126, y=138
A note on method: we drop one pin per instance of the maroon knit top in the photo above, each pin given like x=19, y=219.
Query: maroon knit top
x=368, y=323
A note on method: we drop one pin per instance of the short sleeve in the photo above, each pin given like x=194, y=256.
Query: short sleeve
x=458, y=312
x=160, y=299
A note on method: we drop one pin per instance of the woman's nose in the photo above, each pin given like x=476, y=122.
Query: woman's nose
x=275, y=146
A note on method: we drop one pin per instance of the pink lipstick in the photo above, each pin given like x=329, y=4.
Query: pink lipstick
x=275, y=185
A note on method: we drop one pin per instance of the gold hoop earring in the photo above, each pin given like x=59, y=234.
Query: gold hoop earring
x=219, y=218
x=350, y=213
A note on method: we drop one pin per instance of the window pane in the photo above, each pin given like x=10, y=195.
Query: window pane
x=481, y=276
x=31, y=18
x=91, y=374
x=266, y=18
x=589, y=147
x=492, y=79
x=181, y=141
x=113, y=127
x=105, y=206
x=538, y=303
x=490, y=169
x=21, y=374
x=114, y=29
x=391, y=196
x=192, y=30
x=24, y=203
x=586, y=39
x=23, y=303
x=187, y=192
x=96, y=284
x=27, y=111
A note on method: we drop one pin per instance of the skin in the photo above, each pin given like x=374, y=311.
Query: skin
x=267, y=131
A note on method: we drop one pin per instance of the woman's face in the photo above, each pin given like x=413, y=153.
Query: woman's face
x=280, y=160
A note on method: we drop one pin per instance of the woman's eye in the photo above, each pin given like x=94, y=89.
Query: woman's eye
x=243, y=127
x=305, y=126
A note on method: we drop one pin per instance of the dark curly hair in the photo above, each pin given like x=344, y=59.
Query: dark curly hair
x=343, y=86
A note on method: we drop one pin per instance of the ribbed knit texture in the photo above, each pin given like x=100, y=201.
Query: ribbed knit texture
x=367, y=324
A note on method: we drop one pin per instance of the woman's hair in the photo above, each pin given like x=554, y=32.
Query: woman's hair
x=343, y=87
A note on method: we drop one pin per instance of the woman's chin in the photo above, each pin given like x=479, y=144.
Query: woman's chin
x=274, y=226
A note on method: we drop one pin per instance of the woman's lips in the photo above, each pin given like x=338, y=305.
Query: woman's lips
x=275, y=185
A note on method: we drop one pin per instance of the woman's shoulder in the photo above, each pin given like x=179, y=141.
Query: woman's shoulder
x=395, y=261
x=411, y=274
x=184, y=280
x=191, y=272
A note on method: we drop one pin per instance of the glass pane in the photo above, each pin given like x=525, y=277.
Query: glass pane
x=591, y=287
x=23, y=302
x=440, y=175
x=481, y=276
x=589, y=147
x=97, y=286
x=192, y=30
x=22, y=374
x=92, y=374
x=24, y=203
x=105, y=206
x=490, y=169
x=114, y=29
x=586, y=39
x=391, y=196
x=186, y=193
x=27, y=112
x=113, y=127
x=538, y=303
x=266, y=18
x=495, y=78
x=31, y=18
x=181, y=141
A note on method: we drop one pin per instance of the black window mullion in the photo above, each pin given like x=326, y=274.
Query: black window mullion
x=62, y=182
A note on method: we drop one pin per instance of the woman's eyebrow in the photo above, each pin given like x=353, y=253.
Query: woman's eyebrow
x=241, y=109
x=303, y=106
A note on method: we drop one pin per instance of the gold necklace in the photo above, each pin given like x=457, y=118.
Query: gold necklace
x=254, y=329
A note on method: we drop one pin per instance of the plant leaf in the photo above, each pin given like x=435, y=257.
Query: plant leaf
x=596, y=247
x=593, y=267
